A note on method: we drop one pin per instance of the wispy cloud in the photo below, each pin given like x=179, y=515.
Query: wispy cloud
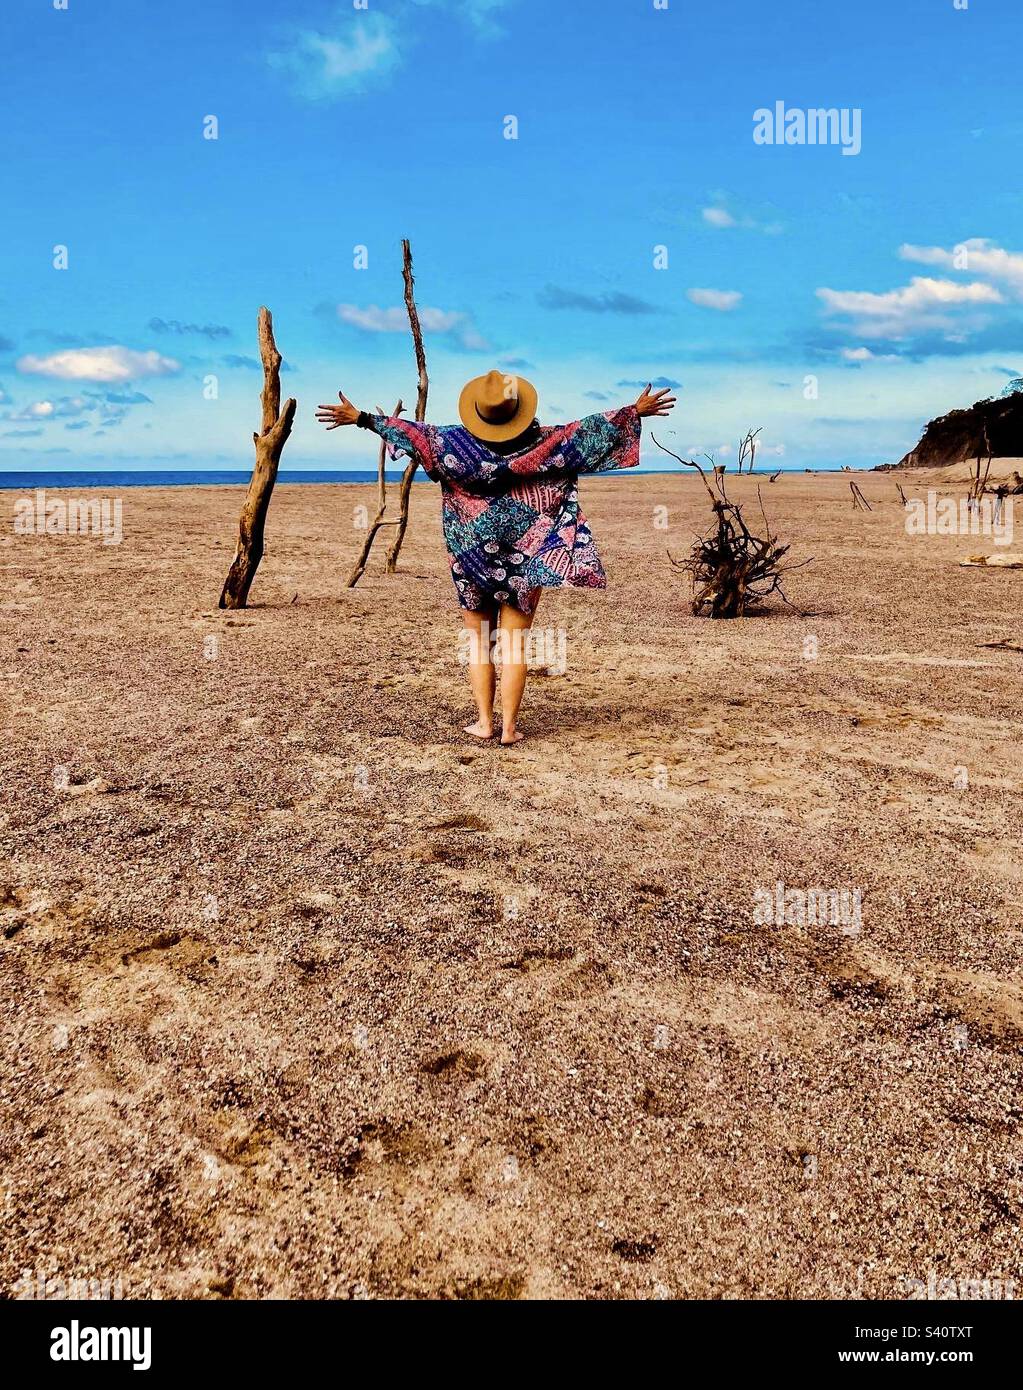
x=657, y=383
x=204, y=330
x=90, y=408
x=721, y=213
x=350, y=54
x=612, y=302
x=722, y=300
x=447, y=323
x=353, y=50
x=1001, y=334
x=481, y=15
x=120, y=397
x=101, y=364
x=63, y=407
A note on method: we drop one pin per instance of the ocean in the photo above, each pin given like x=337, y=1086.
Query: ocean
x=200, y=477
x=228, y=477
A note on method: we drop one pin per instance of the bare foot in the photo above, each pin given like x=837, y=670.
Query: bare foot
x=514, y=737
x=481, y=729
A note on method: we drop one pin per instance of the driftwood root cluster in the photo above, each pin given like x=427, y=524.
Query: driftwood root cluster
x=733, y=570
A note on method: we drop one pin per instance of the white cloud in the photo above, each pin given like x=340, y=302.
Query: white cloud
x=361, y=49
x=106, y=364
x=721, y=212
x=864, y=354
x=976, y=256
x=860, y=354
x=923, y=304
x=376, y=320
x=722, y=300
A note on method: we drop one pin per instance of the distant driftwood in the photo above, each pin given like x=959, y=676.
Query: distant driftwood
x=405, y=493
x=859, y=502
x=269, y=442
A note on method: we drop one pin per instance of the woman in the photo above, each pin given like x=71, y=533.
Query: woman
x=510, y=510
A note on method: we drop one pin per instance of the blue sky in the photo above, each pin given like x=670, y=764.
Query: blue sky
x=341, y=127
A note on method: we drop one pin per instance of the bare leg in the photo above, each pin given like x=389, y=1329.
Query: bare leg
x=514, y=626
x=482, y=630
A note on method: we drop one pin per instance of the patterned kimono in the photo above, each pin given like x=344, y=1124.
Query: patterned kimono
x=512, y=522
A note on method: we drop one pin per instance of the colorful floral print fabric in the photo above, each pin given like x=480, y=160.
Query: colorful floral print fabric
x=512, y=522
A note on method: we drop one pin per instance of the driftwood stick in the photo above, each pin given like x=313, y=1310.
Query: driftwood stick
x=378, y=520
x=979, y=485
x=405, y=495
x=858, y=500
x=269, y=442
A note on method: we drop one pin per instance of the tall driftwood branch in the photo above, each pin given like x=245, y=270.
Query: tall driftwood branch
x=378, y=520
x=400, y=522
x=269, y=442
x=422, y=393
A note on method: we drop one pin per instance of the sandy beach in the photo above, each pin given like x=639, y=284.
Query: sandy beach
x=306, y=994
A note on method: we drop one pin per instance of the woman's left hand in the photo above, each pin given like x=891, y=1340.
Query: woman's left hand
x=657, y=403
x=334, y=415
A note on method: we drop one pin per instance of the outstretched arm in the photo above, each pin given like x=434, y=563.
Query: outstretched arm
x=411, y=437
x=610, y=441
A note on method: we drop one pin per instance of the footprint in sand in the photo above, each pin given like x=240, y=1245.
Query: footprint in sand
x=463, y=822
x=535, y=957
x=455, y=1066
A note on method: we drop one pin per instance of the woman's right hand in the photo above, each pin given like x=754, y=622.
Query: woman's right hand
x=655, y=403
x=334, y=415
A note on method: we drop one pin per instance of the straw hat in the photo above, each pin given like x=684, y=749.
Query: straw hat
x=497, y=406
